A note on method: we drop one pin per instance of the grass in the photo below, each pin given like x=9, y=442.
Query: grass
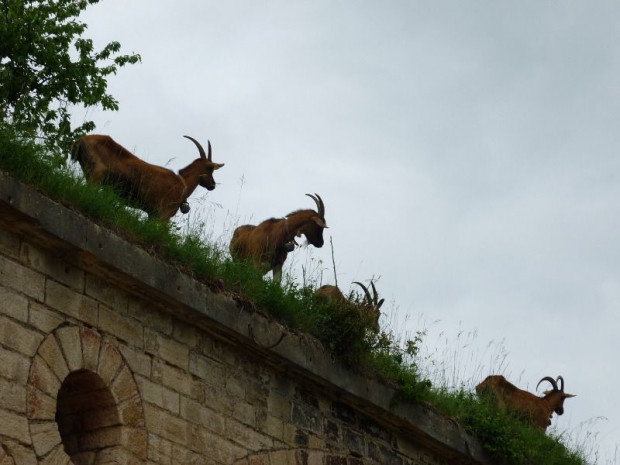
x=339, y=329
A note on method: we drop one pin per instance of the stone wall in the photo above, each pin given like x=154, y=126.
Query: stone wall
x=110, y=356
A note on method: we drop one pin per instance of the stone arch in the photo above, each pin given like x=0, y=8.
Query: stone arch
x=83, y=405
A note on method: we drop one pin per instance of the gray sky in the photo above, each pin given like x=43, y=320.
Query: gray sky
x=466, y=151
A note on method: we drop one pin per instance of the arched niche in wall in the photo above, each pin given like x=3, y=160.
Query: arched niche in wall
x=83, y=405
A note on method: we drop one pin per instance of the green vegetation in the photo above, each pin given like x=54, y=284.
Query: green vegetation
x=503, y=434
x=38, y=82
x=46, y=66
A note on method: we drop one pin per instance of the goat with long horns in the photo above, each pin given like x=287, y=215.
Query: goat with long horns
x=535, y=410
x=368, y=309
x=267, y=245
x=158, y=191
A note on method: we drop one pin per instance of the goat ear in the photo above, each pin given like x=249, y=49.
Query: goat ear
x=319, y=221
x=380, y=303
x=217, y=166
x=568, y=396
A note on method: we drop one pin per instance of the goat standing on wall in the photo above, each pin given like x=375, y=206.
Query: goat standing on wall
x=368, y=309
x=267, y=245
x=156, y=190
x=536, y=410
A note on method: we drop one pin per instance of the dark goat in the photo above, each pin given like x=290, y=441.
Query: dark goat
x=536, y=410
x=156, y=190
x=368, y=308
x=267, y=245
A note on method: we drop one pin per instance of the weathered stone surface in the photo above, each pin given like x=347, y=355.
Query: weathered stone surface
x=16, y=336
x=45, y=437
x=52, y=354
x=184, y=372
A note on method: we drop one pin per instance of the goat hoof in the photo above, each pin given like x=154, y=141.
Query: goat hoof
x=184, y=208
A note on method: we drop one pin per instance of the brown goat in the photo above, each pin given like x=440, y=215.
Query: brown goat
x=535, y=410
x=267, y=245
x=368, y=308
x=156, y=190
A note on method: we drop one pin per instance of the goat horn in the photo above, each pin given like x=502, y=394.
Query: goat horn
x=376, y=302
x=561, y=381
x=375, y=296
x=368, y=297
x=200, y=149
x=319, y=204
x=551, y=380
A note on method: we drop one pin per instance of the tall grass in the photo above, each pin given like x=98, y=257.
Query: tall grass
x=423, y=375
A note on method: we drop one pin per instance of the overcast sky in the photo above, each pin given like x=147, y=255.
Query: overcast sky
x=468, y=154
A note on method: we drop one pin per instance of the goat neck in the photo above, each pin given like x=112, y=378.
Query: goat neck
x=295, y=222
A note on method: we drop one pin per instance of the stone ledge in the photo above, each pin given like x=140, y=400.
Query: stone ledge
x=70, y=236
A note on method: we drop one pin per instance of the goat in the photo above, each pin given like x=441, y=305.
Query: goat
x=535, y=410
x=368, y=308
x=156, y=190
x=267, y=245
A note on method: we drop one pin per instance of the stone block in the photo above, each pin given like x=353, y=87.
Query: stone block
x=110, y=361
x=15, y=336
x=43, y=378
x=120, y=326
x=22, y=455
x=158, y=395
x=123, y=387
x=205, y=417
x=14, y=366
x=13, y=304
x=9, y=243
x=12, y=396
x=57, y=269
x=57, y=456
x=246, y=436
x=168, y=426
x=154, y=318
x=210, y=371
x=167, y=349
x=91, y=344
x=71, y=344
x=42, y=318
x=130, y=412
x=52, y=354
x=66, y=300
x=14, y=425
x=245, y=413
x=135, y=440
x=159, y=450
x=173, y=378
x=138, y=361
x=185, y=333
x=22, y=279
x=110, y=295
x=45, y=437
x=40, y=406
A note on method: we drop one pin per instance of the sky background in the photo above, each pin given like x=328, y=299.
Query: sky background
x=468, y=153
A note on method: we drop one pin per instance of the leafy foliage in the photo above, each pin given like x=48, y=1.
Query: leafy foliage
x=46, y=66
